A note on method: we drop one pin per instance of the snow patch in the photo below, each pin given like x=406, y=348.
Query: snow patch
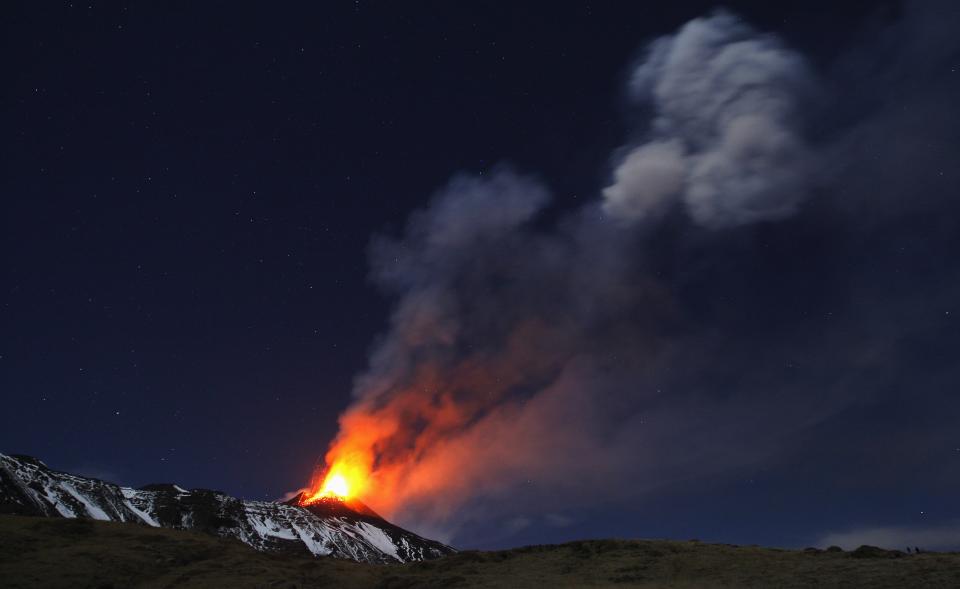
x=64, y=510
x=129, y=494
x=267, y=528
x=92, y=509
x=378, y=539
x=312, y=540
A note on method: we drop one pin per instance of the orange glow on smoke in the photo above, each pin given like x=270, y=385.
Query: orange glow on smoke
x=350, y=461
x=425, y=442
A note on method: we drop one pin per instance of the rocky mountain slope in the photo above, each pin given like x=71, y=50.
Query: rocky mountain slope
x=330, y=527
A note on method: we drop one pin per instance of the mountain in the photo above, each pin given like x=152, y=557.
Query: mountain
x=345, y=529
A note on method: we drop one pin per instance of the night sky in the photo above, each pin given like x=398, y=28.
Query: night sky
x=217, y=218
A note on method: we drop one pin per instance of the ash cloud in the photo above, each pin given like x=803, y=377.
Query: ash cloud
x=532, y=367
x=724, y=138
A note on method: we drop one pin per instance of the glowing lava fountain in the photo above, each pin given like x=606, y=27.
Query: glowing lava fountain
x=339, y=481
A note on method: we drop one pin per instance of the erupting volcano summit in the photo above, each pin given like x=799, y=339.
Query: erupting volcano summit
x=336, y=525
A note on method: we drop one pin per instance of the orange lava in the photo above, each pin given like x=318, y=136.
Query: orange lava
x=342, y=480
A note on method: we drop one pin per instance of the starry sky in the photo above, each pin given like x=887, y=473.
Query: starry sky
x=198, y=202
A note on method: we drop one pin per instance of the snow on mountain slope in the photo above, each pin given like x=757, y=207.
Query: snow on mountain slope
x=330, y=527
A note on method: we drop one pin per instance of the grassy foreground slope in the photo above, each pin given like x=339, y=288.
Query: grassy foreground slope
x=39, y=552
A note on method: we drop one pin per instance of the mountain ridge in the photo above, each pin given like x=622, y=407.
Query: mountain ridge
x=29, y=487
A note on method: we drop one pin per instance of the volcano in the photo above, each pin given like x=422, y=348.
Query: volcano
x=344, y=528
x=335, y=507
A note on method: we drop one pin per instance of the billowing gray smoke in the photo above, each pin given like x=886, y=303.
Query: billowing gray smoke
x=665, y=332
x=724, y=135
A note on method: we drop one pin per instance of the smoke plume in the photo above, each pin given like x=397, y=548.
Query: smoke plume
x=531, y=365
x=724, y=137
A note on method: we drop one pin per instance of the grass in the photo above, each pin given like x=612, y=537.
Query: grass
x=38, y=552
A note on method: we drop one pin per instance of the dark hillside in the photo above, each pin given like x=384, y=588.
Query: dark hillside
x=46, y=552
